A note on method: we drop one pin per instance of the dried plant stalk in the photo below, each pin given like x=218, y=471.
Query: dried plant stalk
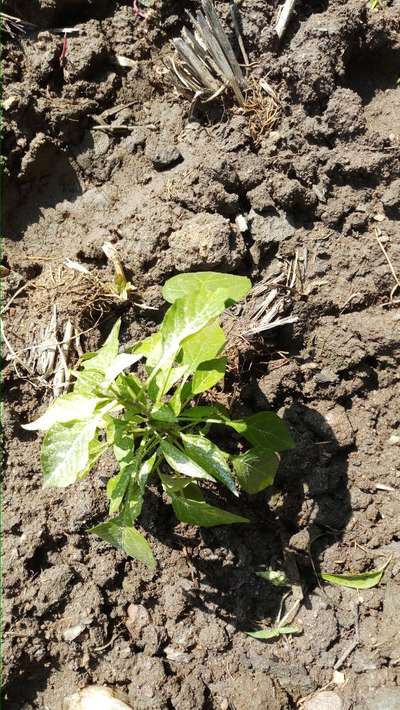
x=205, y=64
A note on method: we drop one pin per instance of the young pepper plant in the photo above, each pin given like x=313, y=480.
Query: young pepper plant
x=153, y=423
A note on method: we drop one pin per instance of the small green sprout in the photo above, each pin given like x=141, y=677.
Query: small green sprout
x=153, y=422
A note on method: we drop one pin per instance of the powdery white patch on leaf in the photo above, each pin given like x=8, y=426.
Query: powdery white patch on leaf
x=65, y=452
x=67, y=408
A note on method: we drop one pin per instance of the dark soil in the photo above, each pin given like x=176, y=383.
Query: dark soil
x=166, y=192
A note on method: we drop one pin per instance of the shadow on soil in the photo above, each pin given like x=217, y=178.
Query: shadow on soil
x=310, y=501
x=51, y=180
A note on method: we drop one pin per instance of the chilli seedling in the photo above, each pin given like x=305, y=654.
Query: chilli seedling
x=152, y=421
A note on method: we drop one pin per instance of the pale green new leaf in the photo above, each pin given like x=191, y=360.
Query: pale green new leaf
x=267, y=634
x=119, y=364
x=363, y=580
x=256, y=469
x=264, y=430
x=88, y=382
x=105, y=356
x=207, y=344
x=126, y=538
x=208, y=374
x=198, y=348
x=119, y=438
x=176, y=484
x=235, y=287
x=186, y=317
x=163, y=413
x=96, y=450
x=275, y=577
x=164, y=381
x=128, y=389
x=150, y=348
x=181, y=396
x=65, y=452
x=211, y=459
x=181, y=463
x=67, y=408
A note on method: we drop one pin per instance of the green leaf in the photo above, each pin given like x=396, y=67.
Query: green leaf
x=119, y=364
x=124, y=451
x=205, y=345
x=88, y=382
x=117, y=487
x=266, y=634
x=128, y=390
x=211, y=459
x=211, y=414
x=181, y=463
x=195, y=512
x=105, y=356
x=96, y=450
x=186, y=317
x=126, y=538
x=256, y=469
x=365, y=580
x=163, y=414
x=65, y=452
x=235, y=287
x=150, y=348
x=67, y=408
x=275, y=577
x=118, y=436
x=135, y=495
x=164, y=381
x=208, y=374
x=264, y=430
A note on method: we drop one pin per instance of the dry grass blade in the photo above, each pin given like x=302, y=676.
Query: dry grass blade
x=205, y=63
x=269, y=301
x=11, y=24
x=284, y=16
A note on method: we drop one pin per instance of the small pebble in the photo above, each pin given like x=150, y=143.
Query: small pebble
x=73, y=632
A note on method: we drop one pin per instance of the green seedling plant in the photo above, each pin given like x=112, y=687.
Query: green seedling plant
x=143, y=404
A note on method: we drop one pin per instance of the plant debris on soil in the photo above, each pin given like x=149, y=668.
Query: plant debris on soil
x=99, y=147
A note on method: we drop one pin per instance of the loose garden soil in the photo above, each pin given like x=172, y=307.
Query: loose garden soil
x=324, y=185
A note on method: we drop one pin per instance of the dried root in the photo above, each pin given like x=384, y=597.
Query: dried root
x=66, y=302
x=262, y=109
